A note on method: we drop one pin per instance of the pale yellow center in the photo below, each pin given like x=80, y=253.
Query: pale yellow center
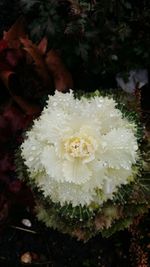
x=79, y=147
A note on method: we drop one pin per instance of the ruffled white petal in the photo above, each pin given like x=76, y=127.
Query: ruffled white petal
x=76, y=171
x=78, y=148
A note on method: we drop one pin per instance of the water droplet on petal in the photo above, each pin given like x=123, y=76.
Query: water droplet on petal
x=31, y=158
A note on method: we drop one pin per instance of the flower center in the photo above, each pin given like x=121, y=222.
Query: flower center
x=80, y=147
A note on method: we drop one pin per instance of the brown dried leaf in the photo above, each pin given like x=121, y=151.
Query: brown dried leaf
x=38, y=59
x=62, y=77
x=100, y=222
x=79, y=234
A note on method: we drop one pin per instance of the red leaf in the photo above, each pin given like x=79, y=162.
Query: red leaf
x=16, y=120
x=6, y=163
x=38, y=59
x=62, y=77
x=4, y=65
x=15, y=186
x=28, y=108
x=5, y=130
x=3, y=45
x=12, y=58
x=42, y=46
x=5, y=76
x=4, y=209
x=16, y=31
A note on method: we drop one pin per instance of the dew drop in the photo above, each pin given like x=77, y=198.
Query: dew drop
x=31, y=158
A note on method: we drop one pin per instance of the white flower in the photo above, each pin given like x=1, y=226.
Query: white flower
x=80, y=151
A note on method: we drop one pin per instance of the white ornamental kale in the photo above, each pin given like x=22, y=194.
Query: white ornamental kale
x=80, y=151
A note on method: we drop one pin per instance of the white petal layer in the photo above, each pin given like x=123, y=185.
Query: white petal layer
x=78, y=148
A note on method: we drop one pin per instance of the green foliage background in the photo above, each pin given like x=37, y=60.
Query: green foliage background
x=96, y=39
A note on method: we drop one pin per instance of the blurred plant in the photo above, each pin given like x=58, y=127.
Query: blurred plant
x=29, y=72
x=141, y=256
x=26, y=65
x=10, y=11
x=96, y=38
